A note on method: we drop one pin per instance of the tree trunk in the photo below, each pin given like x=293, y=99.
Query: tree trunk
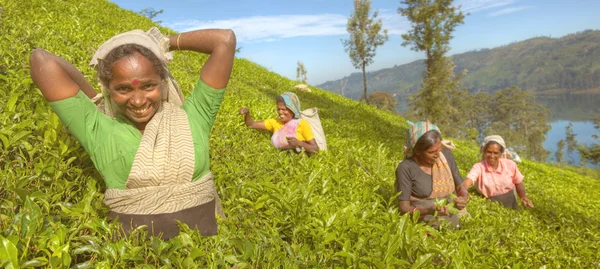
x=429, y=62
x=364, y=83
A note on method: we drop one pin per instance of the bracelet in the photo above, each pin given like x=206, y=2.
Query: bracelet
x=178, y=36
x=413, y=210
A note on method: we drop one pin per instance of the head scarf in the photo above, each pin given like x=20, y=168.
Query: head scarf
x=414, y=132
x=155, y=42
x=495, y=138
x=292, y=102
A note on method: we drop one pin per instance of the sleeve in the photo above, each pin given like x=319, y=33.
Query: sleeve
x=475, y=172
x=270, y=124
x=203, y=104
x=403, y=182
x=306, y=130
x=80, y=116
x=453, y=167
x=517, y=177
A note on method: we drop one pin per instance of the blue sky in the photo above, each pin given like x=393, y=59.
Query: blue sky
x=277, y=34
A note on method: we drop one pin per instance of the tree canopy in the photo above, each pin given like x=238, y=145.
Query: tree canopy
x=366, y=34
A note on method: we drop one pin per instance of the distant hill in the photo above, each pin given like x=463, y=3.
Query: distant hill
x=564, y=73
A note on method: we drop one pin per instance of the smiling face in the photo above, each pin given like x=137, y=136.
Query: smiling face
x=285, y=114
x=136, y=89
x=431, y=154
x=492, y=154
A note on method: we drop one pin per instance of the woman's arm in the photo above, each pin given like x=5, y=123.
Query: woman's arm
x=309, y=146
x=405, y=207
x=57, y=78
x=463, y=195
x=523, y=197
x=250, y=122
x=219, y=43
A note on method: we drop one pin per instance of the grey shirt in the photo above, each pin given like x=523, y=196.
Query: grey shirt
x=411, y=180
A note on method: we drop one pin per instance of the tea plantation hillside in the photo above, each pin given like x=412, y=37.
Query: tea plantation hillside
x=333, y=210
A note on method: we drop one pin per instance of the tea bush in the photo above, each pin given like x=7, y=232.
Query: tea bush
x=335, y=209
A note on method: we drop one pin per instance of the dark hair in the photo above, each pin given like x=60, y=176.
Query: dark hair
x=105, y=65
x=427, y=140
x=485, y=147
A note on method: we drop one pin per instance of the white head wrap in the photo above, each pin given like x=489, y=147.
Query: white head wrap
x=155, y=42
x=496, y=138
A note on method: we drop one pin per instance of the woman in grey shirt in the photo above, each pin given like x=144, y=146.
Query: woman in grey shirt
x=428, y=176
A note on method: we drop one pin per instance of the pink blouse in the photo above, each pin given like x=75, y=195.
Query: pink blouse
x=490, y=182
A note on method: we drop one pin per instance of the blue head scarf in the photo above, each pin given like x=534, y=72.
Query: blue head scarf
x=292, y=102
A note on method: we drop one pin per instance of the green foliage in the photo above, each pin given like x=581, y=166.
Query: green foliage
x=150, y=13
x=336, y=209
x=591, y=153
x=521, y=121
x=440, y=88
x=571, y=142
x=383, y=101
x=433, y=22
x=365, y=36
x=560, y=149
x=301, y=72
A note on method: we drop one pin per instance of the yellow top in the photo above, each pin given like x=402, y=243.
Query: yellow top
x=303, y=132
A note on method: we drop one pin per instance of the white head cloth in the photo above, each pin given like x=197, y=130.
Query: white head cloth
x=496, y=138
x=155, y=42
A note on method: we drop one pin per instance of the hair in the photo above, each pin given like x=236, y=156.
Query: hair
x=485, y=147
x=427, y=140
x=105, y=65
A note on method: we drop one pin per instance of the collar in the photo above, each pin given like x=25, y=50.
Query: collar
x=489, y=168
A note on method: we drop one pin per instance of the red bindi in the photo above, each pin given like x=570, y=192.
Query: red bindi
x=135, y=82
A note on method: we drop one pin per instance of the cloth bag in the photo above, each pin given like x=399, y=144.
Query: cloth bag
x=312, y=116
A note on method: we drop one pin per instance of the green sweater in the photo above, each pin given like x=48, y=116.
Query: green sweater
x=113, y=142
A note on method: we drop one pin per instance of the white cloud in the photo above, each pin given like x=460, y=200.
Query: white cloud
x=508, y=11
x=271, y=28
x=265, y=28
x=393, y=22
x=479, y=5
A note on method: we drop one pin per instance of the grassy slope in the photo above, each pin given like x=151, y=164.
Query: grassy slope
x=331, y=210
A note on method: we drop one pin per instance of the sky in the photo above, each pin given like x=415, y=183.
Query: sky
x=277, y=34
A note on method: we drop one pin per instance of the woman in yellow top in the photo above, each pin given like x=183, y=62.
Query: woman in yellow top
x=289, y=131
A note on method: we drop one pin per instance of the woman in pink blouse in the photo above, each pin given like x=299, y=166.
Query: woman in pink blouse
x=496, y=177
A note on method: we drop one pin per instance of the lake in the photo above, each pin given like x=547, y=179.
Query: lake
x=583, y=130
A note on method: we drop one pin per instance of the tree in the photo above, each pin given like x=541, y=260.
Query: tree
x=383, y=101
x=433, y=22
x=560, y=155
x=365, y=36
x=591, y=153
x=521, y=121
x=301, y=72
x=150, y=13
x=571, y=142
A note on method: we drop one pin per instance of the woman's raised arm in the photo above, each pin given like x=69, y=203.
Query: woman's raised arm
x=244, y=111
x=57, y=78
x=219, y=43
